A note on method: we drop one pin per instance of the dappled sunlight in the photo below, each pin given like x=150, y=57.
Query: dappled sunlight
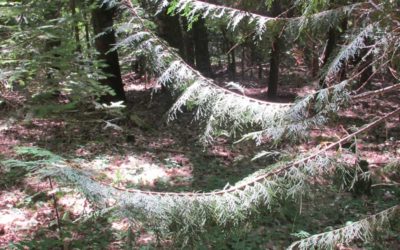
x=191, y=124
x=16, y=220
x=165, y=142
x=75, y=204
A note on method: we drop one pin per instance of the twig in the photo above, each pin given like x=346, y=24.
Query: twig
x=385, y=184
x=376, y=92
x=176, y=151
x=55, y=208
x=240, y=42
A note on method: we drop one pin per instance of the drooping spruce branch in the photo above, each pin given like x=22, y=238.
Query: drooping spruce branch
x=279, y=171
x=383, y=46
x=187, y=215
x=192, y=9
x=360, y=230
x=220, y=108
x=229, y=109
x=174, y=61
x=314, y=110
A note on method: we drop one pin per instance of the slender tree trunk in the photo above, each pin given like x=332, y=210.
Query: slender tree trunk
x=274, y=70
x=102, y=18
x=275, y=58
x=330, y=45
x=202, y=54
x=232, y=64
x=366, y=67
x=87, y=36
x=314, y=60
x=188, y=46
x=242, y=62
x=86, y=21
x=230, y=57
x=169, y=29
x=52, y=44
x=333, y=38
x=72, y=4
x=255, y=60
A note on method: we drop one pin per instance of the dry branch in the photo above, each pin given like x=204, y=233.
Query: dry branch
x=376, y=92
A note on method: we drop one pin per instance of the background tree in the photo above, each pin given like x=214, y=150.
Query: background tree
x=102, y=17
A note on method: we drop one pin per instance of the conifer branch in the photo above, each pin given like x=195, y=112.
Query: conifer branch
x=360, y=230
x=228, y=108
x=181, y=63
x=233, y=17
x=276, y=172
x=349, y=51
x=198, y=91
x=381, y=91
x=187, y=214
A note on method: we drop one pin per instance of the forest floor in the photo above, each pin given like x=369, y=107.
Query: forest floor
x=145, y=152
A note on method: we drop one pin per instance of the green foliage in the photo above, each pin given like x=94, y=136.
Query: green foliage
x=37, y=56
x=95, y=232
x=33, y=158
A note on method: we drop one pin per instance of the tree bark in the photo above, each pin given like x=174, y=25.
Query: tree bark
x=333, y=39
x=275, y=58
x=102, y=18
x=232, y=63
x=331, y=44
x=51, y=45
x=274, y=70
x=242, y=62
x=365, y=60
x=86, y=25
x=169, y=30
x=72, y=5
x=187, y=40
x=200, y=37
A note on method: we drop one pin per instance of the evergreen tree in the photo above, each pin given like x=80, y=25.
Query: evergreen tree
x=102, y=18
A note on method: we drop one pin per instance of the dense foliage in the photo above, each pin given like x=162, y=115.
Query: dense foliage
x=65, y=55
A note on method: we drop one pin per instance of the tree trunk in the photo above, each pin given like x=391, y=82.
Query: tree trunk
x=314, y=60
x=200, y=37
x=72, y=5
x=333, y=38
x=86, y=24
x=331, y=44
x=169, y=29
x=52, y=44
x=274, y=70
x=275, y=58
x=232, y=64
x=242, y=62
x=187, y=40
x=102, y=18
x=365, y=60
